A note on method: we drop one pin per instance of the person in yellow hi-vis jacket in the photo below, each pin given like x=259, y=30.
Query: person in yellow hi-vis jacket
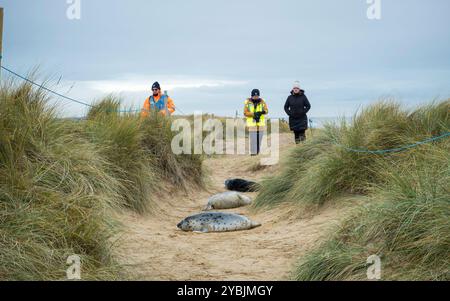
x=159, y=102
x=255, y=110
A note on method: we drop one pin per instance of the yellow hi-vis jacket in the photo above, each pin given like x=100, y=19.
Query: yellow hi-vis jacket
x=250, y=109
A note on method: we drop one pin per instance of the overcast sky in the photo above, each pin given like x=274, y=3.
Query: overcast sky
x=209, y=54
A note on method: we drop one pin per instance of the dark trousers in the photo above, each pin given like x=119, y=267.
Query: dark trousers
x=300, y=136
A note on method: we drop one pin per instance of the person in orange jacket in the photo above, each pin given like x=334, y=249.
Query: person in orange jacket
x=158, y=101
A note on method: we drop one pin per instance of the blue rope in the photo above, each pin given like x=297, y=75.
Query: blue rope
x=45, y=88
x=395, y=150
x=69, y=98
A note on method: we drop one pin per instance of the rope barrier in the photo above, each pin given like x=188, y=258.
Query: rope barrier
x=45, y=88
x=41, y=86
x=385, y=151
x=394, y=150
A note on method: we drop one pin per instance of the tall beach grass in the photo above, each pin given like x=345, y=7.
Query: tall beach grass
x=55, y=197
x=407, y=224
x=322, y=169
x=406, y=218
x=62, y=182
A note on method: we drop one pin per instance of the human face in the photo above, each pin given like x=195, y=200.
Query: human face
x=155, y=92
x=256, y=97
x=296, y=90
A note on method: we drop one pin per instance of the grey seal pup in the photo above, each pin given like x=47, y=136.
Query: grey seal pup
x=242, y=185
x=216, y=222
x=227, y=200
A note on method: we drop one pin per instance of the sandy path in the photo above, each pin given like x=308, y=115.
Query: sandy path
x=154, y=249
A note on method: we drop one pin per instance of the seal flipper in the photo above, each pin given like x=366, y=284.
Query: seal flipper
x=202, y=230
x=247, y=200
x=208, y=207
x=255, y=225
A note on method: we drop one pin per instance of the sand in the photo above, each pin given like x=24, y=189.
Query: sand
x=152, y=248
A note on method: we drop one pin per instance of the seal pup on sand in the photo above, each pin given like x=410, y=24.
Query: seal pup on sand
x=216, y=222
x=242, y=185
x=227, y=200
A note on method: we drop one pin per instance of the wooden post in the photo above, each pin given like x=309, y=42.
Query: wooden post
x=166, y=108
x=1, y=39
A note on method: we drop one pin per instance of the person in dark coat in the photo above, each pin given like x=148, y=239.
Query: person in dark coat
x=296, y=107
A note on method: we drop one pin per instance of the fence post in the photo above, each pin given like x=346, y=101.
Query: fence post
x=1, y=40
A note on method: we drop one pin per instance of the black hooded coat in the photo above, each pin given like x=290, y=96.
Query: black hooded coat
x=296, y=107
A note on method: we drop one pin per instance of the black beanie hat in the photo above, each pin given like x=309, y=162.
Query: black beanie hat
x=255, y=92
x=156, y=86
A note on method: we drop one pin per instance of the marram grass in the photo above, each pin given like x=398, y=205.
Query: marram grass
x=55, y=198
x=320, y=170
x=407, y=225
x=406, y=220
x=62, y=181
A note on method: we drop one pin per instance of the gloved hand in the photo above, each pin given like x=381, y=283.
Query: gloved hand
x=257, y=116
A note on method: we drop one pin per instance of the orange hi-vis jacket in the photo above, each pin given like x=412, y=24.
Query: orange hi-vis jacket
x=148, y=106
